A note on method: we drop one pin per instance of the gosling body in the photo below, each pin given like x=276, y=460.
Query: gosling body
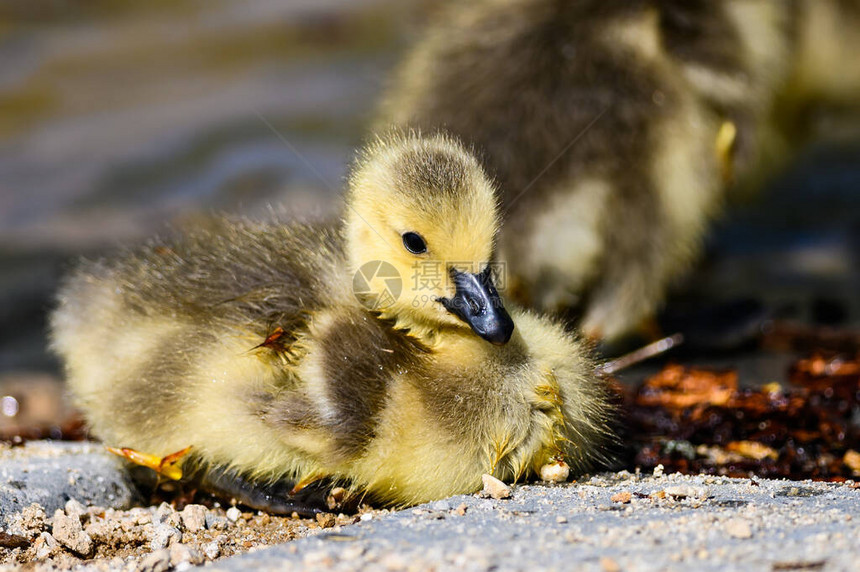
x=247, y=342
x=615, y=127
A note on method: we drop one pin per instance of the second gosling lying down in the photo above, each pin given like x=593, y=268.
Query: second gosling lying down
x=247, y=342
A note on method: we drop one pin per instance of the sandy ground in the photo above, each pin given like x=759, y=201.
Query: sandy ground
x=146, y=538
x=70, y=506
x=609, y=522
x=614, y=521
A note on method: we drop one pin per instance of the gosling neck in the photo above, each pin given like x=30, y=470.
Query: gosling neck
x=433, y=334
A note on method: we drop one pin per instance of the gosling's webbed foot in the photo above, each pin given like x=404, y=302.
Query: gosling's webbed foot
x=307, y=498
x=280, y=497
x=169, y=466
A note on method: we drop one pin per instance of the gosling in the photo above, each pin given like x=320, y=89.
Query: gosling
x=377, y=353
x=615, y=128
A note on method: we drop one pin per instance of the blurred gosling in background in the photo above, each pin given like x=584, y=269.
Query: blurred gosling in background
x=614, y=127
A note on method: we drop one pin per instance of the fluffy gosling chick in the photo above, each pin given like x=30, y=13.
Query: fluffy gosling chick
x=613, y=127
x=248, y=343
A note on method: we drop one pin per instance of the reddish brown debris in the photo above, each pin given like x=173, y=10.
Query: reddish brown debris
x=677, y=388
x=697, y=420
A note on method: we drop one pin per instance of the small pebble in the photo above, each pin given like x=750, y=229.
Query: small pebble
x=163, y=511
x=193, y=517
x=74, y=508
x=212, y=549
x=163, y=536
x=557, y=472
x=173, y=519
x=233, y=514
x=181, y=553
x=623, y=497
x=738, y=528
x=325, y=519
x=495, y=488
x=215, y=522
x=67, y=530
x=45, y=546
x=158, y=561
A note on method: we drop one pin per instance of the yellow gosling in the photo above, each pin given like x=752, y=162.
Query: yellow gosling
x=377, y=353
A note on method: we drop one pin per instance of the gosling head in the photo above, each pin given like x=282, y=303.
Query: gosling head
x=424, y=206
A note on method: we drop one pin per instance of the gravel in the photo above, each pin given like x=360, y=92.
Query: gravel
x=617, y=521
x=147, y=538
x=91, y=526
x=670, y=522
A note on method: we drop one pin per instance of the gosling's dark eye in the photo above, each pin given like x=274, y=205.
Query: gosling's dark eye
x=414, y=243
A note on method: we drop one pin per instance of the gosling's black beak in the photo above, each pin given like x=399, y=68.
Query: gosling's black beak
x=477, y=303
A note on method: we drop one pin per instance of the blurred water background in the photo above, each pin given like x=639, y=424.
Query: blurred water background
x=118, y=119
